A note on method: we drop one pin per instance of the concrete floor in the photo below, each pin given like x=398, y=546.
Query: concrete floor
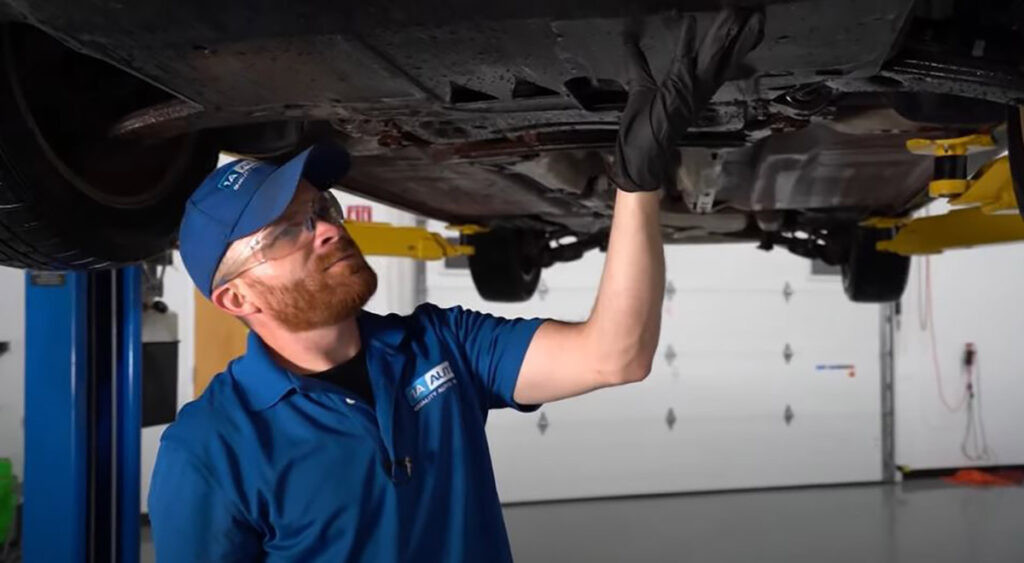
x=928, y=522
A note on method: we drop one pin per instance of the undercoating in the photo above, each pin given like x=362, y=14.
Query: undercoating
x=507, y=113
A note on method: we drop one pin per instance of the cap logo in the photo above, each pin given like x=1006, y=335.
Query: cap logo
x=233, y=177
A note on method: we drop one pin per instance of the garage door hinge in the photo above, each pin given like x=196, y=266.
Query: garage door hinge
x=670, y=355
x=787, y=292
x=787, y=353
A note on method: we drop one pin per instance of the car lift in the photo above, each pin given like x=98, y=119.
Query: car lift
x=986, y=209
x=83, y=333
x=385, y=239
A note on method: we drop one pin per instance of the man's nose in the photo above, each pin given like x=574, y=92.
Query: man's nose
x=327, y=233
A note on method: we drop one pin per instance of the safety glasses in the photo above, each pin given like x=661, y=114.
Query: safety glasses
x=284, y=236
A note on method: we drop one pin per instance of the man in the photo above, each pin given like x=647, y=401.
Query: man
x=343, y=435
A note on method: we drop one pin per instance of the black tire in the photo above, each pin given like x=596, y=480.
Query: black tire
x=870, y=276
x=72, y=197
x=506, y=264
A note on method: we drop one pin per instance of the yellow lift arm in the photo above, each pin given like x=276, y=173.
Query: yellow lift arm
x=987, y=204
x=385, y=239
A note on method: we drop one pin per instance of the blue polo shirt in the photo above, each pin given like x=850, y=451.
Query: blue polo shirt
x=269, y=465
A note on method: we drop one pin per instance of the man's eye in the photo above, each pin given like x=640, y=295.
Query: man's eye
x=294, y=230
x=289, y=232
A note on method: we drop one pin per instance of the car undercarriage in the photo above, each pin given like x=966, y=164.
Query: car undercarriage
x=506, y=115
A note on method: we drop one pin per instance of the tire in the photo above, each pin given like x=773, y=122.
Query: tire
x=870, y=276
x=506, y=264
x=71, y=197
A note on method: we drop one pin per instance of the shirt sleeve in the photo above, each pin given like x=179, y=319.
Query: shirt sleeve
x=192, y=519
x=495, y=348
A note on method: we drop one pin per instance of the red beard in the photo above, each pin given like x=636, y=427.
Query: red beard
x=330, y=293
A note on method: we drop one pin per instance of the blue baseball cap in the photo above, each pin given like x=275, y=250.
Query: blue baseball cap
x=243, y=196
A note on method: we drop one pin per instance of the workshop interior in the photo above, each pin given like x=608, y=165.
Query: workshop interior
x=836, y=377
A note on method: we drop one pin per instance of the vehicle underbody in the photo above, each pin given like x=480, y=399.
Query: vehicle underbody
x=506, y=115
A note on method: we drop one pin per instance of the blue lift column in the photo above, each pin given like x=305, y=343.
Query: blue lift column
x=82, y=416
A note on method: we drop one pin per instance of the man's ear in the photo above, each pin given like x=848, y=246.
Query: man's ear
x=232, y=300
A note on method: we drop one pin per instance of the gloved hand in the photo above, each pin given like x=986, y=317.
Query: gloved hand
x=657, y=114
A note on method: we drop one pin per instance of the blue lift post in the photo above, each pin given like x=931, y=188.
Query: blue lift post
x=82, y=416
x=128, y=387
x=56, y=422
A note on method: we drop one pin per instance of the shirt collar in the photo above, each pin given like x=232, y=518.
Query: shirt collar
x=384, y=331
x=264, y=382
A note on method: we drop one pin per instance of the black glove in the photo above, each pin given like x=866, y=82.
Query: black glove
x=657, y=115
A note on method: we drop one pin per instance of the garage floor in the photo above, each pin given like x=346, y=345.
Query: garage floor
x=923, y=521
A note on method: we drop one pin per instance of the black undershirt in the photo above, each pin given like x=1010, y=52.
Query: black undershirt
x=353, y=376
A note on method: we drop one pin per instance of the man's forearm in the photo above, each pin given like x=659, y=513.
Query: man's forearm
x=624, y=326
x=617, y=343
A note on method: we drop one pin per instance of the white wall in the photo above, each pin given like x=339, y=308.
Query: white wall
x=728, y=386
x=12, y=368
x=976, y=298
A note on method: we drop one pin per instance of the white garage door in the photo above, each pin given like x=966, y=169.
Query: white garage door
x=712, y=415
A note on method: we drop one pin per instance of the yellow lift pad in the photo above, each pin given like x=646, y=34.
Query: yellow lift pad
x=951, y=147
x=989, y=215
x=949, y=150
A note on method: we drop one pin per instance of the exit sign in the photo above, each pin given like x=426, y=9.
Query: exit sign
x=359, y=213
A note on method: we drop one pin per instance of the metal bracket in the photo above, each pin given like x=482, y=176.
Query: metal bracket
x=705, y=202
x=153, y=271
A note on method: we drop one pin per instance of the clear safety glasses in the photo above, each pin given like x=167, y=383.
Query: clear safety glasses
x=283, y=237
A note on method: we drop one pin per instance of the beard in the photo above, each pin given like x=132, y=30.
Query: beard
x=323, y=297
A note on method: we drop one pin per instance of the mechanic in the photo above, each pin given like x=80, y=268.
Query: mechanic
x=343, y=435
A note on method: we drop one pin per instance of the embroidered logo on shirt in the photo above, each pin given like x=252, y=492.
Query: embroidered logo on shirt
x=430, y=385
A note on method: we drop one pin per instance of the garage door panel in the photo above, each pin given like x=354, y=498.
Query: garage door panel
x=721, y=373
